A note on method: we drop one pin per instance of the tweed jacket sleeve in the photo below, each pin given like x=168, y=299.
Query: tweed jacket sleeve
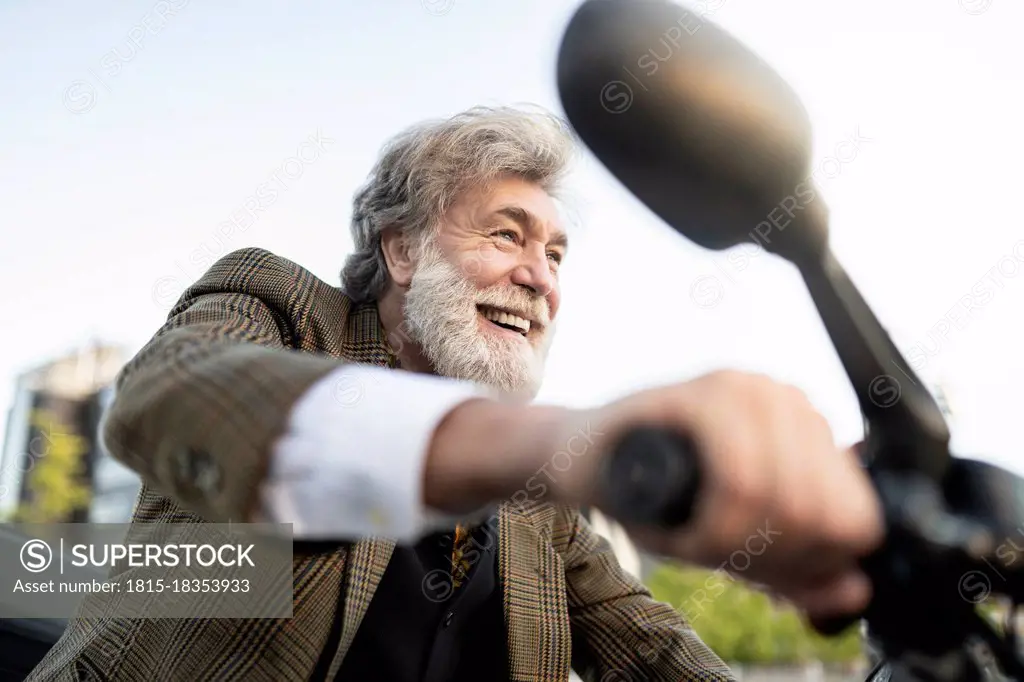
x=197, y=410
x=619, y=631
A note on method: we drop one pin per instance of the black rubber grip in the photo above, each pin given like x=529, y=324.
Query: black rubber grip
x=653, y=477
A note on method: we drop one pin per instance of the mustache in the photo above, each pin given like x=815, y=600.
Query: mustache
x=516, y=300
x=437, y=274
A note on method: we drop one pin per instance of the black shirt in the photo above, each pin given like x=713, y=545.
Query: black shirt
x=419, y=628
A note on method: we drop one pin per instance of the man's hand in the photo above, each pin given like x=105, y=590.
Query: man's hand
x=770, y=467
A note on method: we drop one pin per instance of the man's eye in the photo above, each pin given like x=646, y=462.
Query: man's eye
x=555, y=256
x=508, y=234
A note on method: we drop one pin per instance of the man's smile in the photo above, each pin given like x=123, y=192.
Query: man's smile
x=506, y=321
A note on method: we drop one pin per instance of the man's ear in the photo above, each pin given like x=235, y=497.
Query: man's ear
x=398, y=256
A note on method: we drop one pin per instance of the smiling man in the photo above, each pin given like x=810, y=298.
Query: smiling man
x=391, y=421
x=451, y=291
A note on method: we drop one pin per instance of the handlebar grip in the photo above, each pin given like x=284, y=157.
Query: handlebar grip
x=653, y=477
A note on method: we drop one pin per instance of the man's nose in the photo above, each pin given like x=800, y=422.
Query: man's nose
x=534, y=272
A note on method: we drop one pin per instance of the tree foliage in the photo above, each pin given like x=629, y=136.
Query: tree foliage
x=56, y=479
x=743, y=625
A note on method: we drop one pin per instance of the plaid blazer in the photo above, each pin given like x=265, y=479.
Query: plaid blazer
x=220, y=377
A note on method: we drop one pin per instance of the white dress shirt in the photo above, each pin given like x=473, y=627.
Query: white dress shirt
x=351, y=463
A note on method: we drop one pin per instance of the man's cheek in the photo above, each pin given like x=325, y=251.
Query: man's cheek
x=554, y=301
x=471, y=268
x=476, y=264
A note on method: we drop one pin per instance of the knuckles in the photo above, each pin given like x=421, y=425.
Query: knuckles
x=759, y=388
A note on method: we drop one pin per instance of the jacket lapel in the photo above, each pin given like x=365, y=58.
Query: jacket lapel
x=366, y=564
x=533, y=581
x=364, y=339
x=364, y=342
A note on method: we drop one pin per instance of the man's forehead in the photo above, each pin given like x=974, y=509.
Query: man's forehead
x=519, y=201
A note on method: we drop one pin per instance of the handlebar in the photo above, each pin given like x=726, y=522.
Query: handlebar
x=948, y=547
x=663, y=474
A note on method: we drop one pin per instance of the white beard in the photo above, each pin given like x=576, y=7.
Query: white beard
x=442, y=318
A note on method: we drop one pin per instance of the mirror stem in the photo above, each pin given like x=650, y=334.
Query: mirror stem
x=905, y=424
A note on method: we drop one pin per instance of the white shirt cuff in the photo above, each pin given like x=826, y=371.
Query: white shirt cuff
x=351, y=464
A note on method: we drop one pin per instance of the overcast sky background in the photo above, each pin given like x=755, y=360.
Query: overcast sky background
x=120, y=161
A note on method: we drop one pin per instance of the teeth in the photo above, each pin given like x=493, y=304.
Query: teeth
x=506, y=318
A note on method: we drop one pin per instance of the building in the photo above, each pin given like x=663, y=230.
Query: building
x=55, y=413
x=114, y=486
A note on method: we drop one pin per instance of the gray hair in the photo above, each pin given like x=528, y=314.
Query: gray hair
x=424, y=168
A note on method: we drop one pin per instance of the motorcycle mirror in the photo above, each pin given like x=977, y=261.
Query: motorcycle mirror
x=693, y=123
x=716, y=143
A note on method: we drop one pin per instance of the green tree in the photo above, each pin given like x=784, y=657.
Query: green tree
x=56, y=478
x=742, y=624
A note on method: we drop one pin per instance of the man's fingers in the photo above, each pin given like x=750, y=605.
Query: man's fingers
x=862, y=524
x=847, y=594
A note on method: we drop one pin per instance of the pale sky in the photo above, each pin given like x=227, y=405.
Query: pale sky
x=120, y=162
